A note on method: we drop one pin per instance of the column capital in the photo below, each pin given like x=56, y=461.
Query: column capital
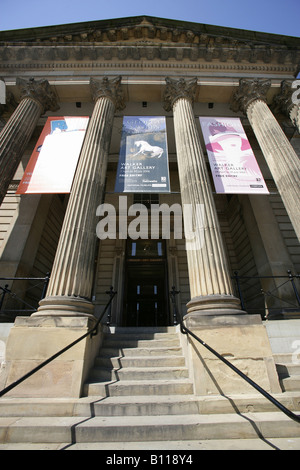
x=250, y=89
x=39, y=91
x=179, y=88
x=283, y=101
x=110, y=89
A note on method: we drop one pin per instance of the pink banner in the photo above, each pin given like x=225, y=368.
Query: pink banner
x=52, y=165
x=232, y=161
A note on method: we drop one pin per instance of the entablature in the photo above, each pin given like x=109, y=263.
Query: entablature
x=143, y=88
x=146, y=43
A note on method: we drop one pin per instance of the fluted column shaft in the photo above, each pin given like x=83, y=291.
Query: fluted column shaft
x=282, y=160
x=37, y=98
x=210, y=283
x=70, y=286
x=280, y=156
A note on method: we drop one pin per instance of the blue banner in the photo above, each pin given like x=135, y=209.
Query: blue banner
x=143, y=162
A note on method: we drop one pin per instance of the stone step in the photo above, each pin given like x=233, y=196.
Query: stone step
x=145, y=387
x=283, y=358
x=141, y=330
x=144, y=405
x=140, y=335
x=115, y=343
x=136, y=352
x=139, y=373
x=175, y=446
x=291, y=383
x=288, y=370
x=150, y=428
x=187, y=404
x=142, y=361
x=186, y=427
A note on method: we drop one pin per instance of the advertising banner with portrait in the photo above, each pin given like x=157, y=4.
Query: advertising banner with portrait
x=232, y=161
x=143, y=162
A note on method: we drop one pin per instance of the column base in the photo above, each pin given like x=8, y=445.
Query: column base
x=215, y=304
x=65, y=306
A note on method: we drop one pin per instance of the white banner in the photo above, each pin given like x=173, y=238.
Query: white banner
x=232, y=161
x=53, y=162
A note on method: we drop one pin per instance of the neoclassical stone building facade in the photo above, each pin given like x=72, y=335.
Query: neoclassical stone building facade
x=146, y=66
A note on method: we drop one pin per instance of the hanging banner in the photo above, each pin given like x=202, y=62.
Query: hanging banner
x=232, y=161
x=53, y=162
x=143, y=162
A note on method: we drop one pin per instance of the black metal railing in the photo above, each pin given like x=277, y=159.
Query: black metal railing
x=91, y=332
x=272, y=301
x=5, y=291
x=186, y=331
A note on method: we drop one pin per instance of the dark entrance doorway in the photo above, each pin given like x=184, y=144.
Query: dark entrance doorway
x=146, y=286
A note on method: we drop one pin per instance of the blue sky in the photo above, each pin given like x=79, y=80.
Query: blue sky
x=271, y=16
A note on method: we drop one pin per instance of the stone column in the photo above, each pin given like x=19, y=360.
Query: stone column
x=36, y=98
x=210, y=283
x=283, y=103
x=70, y=286
x=280, y=156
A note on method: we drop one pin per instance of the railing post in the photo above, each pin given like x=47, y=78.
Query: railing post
x=294, y=286
x=46, y=282
x=173, y=292
x=4, y=291
x=236, y=277
x=111, y=293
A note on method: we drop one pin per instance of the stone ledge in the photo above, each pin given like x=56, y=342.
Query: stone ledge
x=54, y=321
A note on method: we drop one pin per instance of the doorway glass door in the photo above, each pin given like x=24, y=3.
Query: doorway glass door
x=146, y=294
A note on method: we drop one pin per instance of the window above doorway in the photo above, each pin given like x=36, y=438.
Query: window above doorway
x=138, y=249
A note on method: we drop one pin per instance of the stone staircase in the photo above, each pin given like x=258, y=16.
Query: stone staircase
x=139, y=396
x=140, y=362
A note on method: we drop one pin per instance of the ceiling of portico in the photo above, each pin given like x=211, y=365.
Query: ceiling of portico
x=68, y=91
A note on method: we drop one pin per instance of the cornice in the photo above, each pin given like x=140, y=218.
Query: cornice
x=142, y=27
x=146, y=38
x=143, y=65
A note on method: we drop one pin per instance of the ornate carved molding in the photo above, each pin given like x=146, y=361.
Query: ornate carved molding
x=39, y=91
x=110, y=89
x=206, y=51
x=179, y=89
x=283, y=101
x=150, y=64
x=249, y=90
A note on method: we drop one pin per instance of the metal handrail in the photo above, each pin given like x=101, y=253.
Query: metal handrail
x=289, y=278
x=5, y=290
x=92, y=332
x=185, y=330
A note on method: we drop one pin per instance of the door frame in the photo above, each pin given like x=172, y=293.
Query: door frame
x=142, y=262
